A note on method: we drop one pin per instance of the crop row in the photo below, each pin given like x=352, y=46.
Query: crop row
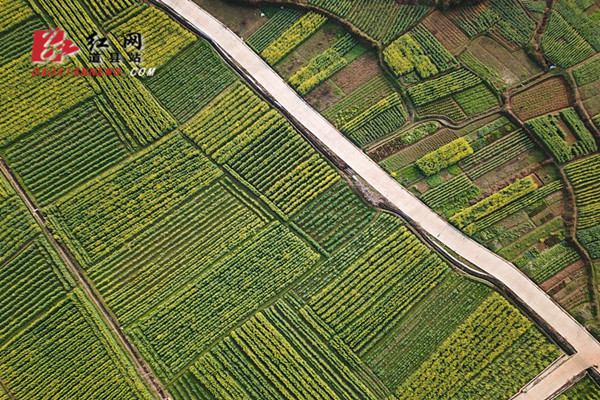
x=577, y=18
x=231, y=289
x=162, y=37
x=358, y=101
x=476, y=100
x=475, y=19
x=513, y=369
x=292, y=37
x=583, y=135
x=239, y=129
x=123, y=16
x=445, y=107
x=197, y=233
x=376, y=290
x=445, y=156
x=405, y=55
x=382, y=20
x=18, y=41
x=590, y=239
x=13, y=13
x=280, y=354
x=320, y=68
x=494, y=126
x=66, y=153
x=375, y=232
x=447, y=191
x=334, y=217
x=438, y=54
x=273, y=29
x=29, y=283
x=514, y=24
x=409, y=155
x=543, y=98
x=588, y=72
x=137, y=110
x=517, y=205
x=547, y=128
x=341, y=8
x=424, y=329
x=551, y=261
x=466, y=219
x=68, y=344
x=103, y=216
x=562, y=44
x=584, y=389
x=423, y=130
x=431, y=90
x=583, y=176
x=191, y=81
x=381, y=118
x=18, y=226
x=43, y=99
x=104, y=10
x=469, y=354
x=493, y=155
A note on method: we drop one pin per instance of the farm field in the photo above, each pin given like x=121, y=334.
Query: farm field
x=175, y=235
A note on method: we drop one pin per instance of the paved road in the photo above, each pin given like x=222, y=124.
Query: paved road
x=271, y=84
x=142, y=369
x=554, y=378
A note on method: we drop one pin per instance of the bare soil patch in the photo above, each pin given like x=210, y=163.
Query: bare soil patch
x=241, y=19
x=323, y=96
x=446, y=32
x=359, y=72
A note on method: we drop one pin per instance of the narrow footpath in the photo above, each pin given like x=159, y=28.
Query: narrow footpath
x=285, y=98
x=142, y=369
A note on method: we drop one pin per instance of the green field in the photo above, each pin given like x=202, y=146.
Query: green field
x=235, y=258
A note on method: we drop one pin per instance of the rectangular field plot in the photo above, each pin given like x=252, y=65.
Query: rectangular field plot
x=191, y=80
x=334, y=216
x=100, y=218
x=380, y=285
x=65, y=153
x=68, y=344
x=18, y=226
x=35, y=281
x=229, y=291
x=505, y=351
x=285, y=352
x=424, y=328
x=262, y=147
x=148, y=269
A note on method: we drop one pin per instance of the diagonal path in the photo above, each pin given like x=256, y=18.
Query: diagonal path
x=142, y=368
x=273, y=86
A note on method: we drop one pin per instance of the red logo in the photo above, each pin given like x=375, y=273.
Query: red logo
x=50, y=46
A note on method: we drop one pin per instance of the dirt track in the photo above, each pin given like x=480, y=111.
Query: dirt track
x=142, y=369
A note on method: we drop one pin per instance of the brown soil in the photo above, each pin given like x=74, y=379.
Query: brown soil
x=570, y=137
x=543, y=98
x=357, y=73
x=324, y=95
x=554, y=281
x=446, y=32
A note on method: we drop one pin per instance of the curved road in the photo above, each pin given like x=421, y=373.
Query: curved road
x=256, y=70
